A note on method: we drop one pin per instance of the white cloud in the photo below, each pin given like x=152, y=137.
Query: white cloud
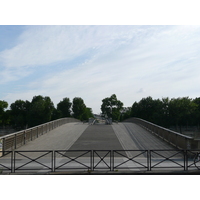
x=42, y=45
x=100, y=61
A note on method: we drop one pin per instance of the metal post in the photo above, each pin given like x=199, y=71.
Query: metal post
x=148, y=154
x=112, y=158
x=52, y=161
x=37, y=132
x=13, y=169
x=31, y=134
x=11, y=161
x=24, y=137
x=149, y=160
x=54, y=168
x=186, y=159
x=3, y=145
x=15, y=141
x=92, y=160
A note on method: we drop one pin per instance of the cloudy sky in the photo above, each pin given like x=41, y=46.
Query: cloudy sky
x=94, y=62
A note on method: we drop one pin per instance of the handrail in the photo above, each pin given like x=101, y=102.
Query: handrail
x=176, y=139
x=14, y=140
x=94, y=160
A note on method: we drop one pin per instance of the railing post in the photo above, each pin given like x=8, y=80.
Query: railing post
x=149, y=160
x=54, y=166
x=24, y=137
x=4, y=146
x=186, y=159
x=15, y=142
x=31, y=134
x=37, y=132
x=112, y=160
x=12, y=154
x=13, y=169
x=92, y=160
x=148, y=164
x=111, y=155
x=52, y=161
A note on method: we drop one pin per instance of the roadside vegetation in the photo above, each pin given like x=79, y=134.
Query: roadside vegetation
x=25, y=114
x=178, y=112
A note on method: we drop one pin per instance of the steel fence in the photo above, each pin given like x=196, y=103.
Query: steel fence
x=99, y=160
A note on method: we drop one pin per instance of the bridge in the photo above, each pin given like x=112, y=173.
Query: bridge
x=68, y=146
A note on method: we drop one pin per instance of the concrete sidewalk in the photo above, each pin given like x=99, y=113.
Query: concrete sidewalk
x=61, y=138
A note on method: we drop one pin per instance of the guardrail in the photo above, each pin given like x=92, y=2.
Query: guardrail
x=20, y=138
x=99, y=160
x=176, y=139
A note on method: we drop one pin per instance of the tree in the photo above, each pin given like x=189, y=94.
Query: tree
x=3, y=118
x=78, y=108
x=19, y=114
x=111, y=107
x=64, y=107
x=180, y=111
x=196, y=113
x=87, y=114
x=125, y=113
x=41, y=110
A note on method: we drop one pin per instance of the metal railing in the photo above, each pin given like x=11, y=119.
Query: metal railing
x=99, y=160
x=20, y=138
x=174, y=138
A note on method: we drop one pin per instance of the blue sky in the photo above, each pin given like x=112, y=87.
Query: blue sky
x=94, y=62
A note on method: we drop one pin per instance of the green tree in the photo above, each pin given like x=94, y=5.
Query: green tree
x=145, y=108
x=111, y=107
x=3, y=115
x=87, y=114
x=64, y=107
x=78, y=108
x=180, y=111
x=41, y=110
x=125, y=113
x=19, y=114
x=196, y=113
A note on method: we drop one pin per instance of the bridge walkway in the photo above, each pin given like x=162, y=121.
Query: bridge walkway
x=82, y=137
x=79, y=136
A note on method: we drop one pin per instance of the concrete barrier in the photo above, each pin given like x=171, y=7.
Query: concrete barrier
x=20, y=138
x=174, y=138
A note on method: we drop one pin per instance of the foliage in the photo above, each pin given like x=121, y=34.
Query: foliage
x=164, y=112
x=78, y=108
x=25, y=114
x=19, y=114
x=111, y=107
x=41, y=110
x=63, y=108
x=87, y=114
x=167, y=112
x=3, y=113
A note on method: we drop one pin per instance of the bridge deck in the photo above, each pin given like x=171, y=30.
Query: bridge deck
x=79, y=136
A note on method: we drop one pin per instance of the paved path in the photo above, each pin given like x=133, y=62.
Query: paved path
x=97, y=137
x=79, y=136
x=134, y=137
x=61, y=138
